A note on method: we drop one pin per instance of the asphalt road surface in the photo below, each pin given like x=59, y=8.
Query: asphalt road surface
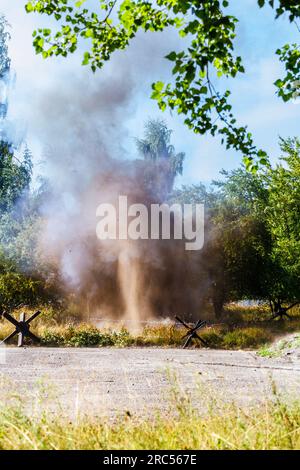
x=104, y=381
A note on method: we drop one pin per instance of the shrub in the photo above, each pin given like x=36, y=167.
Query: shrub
x=50, y=338
x=246, y=338
x=90, y=337
x=16, y=288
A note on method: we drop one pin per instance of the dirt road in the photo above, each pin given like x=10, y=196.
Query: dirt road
x=111, y=381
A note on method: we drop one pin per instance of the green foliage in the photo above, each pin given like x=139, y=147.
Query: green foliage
x=21, y=269
x=209, y=35
x=282, y=215
x=162, y=161
x=246, y=338
x=90, y=337
x=19, y=239
x=253, y=241
x=4, y=58
x=16, y=288
x=4, y=61
x=281, y=347
x=241, y=327
x=289, y=86
x=15, y=177
x=271, y=200
x=85, y=336
x=51, y=338
x=156, y=145
x=20, y=265
x=21, y=261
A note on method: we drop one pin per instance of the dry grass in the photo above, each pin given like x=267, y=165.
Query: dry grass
x=241, y=328
x=274, y=425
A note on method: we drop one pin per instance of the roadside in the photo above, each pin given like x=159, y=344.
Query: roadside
x=110, y=381
x=240, y=328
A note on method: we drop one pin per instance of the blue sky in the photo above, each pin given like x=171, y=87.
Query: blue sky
x=253, y=94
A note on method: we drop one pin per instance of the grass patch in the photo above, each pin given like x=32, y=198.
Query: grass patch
x=283, y=346
x=274, y=425
x=246, y=338
x=241, y=328
x=170, y=335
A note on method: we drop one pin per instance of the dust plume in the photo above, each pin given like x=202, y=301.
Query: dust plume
x=81, y=120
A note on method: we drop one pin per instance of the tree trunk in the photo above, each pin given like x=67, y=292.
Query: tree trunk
x=218, y=299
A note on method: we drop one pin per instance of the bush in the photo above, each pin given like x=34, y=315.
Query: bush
x=245, y=338
x=122, y=338
x=16, y=288
x=90, y=337
x=160, y=335
x=50, y=338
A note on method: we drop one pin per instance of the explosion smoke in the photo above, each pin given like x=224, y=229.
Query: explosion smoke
x=82, y=118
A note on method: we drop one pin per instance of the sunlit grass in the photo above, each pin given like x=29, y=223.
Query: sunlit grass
x=274, y=425
x=284, y=345
x=241, y=328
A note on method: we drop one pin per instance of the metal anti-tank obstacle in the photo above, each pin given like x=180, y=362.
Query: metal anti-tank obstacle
x=22, y=328
x=192, y=332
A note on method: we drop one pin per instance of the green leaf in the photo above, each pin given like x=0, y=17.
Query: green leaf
x=29, y=7
x=79, y=3
x=89, y=33
x=86, y=58
x=158, y=86
x=172, y=56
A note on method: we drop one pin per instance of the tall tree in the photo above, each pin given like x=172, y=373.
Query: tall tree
x=282, y=214
x=19, y=272
x=162, y=161
x=156, y=145
x=15, y=175
x=4, y=67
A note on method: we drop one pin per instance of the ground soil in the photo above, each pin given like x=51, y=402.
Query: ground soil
x=109, y=382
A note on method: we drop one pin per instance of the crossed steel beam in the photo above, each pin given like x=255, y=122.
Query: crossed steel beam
x=22, y=328
x=282, y=312
x=192, y=332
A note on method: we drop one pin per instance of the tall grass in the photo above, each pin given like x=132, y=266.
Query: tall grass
x=241, y=328
x=274, y=425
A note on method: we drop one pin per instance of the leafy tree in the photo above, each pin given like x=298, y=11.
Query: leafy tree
x=197, y=194
x=162, y=161
x=4, y=61
x=272, y=201
x=156, y=145
x=15, y=177
x=237, y=241
x=18, y=224
x=252, y=245
x=240, y=245
x=208, y=54
x=282, y=215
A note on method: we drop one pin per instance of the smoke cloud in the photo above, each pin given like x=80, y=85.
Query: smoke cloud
x=79, y=118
